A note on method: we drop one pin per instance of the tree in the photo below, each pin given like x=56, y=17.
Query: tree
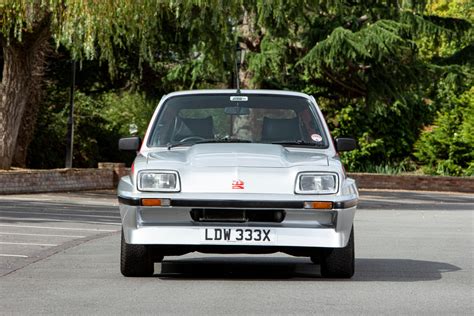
x=99, y=30
x=373, y=65
x=366, y=61
x=23, y=62
x=446, y=145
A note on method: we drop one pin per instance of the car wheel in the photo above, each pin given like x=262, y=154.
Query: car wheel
x=339, y=262
x=135, y=260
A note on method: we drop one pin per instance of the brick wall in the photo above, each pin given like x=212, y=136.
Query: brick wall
x=118, y=169
x=108, y=174
x=33, y=181
x=413, y=182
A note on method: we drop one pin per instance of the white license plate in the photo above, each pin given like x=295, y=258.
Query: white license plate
x=238, y=235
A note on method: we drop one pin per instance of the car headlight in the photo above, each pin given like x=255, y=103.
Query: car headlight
x=316, y=183
x=162, y=181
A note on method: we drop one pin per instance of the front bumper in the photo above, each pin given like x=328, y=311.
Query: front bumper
x=173, y=225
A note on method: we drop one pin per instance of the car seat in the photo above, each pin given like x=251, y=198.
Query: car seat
x=274, y=130
x=199, y=127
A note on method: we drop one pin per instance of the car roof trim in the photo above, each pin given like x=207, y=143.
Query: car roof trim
x=233, y=91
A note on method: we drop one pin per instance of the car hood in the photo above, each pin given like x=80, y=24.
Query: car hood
x=237, y=155
x=238, y=168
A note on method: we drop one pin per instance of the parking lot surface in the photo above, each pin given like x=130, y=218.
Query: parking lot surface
x=59, y=254
x=33, y=227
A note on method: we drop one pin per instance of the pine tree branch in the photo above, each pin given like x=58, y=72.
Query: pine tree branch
x=331, y=76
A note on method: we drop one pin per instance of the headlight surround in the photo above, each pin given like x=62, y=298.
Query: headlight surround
x=317, y=183
x=159, y=181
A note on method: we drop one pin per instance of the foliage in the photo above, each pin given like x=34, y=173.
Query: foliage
x=380, y=70
x=403, y=167
x=161, y=33
x=447, y=147
x=384, y=136
x=99, y=123
x=125, y=109
x=460, y=9
x=373, y=66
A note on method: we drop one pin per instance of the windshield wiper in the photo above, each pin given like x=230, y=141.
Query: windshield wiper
x=170, y=145
x=298, y=143
x=207, y=141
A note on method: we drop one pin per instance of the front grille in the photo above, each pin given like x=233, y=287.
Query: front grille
x=237, y=215
x=237, y=204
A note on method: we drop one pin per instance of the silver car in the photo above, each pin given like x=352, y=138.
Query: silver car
x=253, y=171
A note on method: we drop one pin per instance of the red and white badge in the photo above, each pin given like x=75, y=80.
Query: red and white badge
x=238, y=185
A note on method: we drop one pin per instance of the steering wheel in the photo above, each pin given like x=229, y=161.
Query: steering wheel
x=190, y=138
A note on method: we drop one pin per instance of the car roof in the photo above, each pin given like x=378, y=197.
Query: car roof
x=233, y=91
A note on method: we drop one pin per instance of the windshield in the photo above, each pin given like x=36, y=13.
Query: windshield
x=190, y=119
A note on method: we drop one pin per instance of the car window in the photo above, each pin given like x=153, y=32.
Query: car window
x=259, y=119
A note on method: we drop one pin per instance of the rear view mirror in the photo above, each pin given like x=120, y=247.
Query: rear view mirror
x=236, y=110
x=345, y=144
x=130, y=143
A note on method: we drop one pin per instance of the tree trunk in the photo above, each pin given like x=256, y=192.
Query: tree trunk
x=20, y=79
x=28, y=122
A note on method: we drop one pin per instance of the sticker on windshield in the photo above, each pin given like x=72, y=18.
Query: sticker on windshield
x=239, y=98
x=317, y=138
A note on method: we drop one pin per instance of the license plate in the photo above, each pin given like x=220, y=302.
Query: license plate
x=238, y=235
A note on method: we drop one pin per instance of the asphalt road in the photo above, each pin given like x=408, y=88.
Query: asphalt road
x=59, y=254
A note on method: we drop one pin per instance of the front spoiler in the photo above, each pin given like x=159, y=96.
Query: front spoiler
x=187, y=233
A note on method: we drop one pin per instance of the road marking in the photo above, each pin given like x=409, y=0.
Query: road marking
x=36, y=219
x=61, y=214
x=26, y=244
x=42, y=235
x=8, y=255
x=60, y=200
x=61, y=228
x=56, y=207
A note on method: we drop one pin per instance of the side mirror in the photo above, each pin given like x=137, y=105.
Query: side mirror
x=345, y=144
x=130, y=143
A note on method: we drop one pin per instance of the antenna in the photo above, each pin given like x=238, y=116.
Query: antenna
x=238, y=62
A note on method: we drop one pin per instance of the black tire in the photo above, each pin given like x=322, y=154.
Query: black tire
x=339, y=262
x=135, y=260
